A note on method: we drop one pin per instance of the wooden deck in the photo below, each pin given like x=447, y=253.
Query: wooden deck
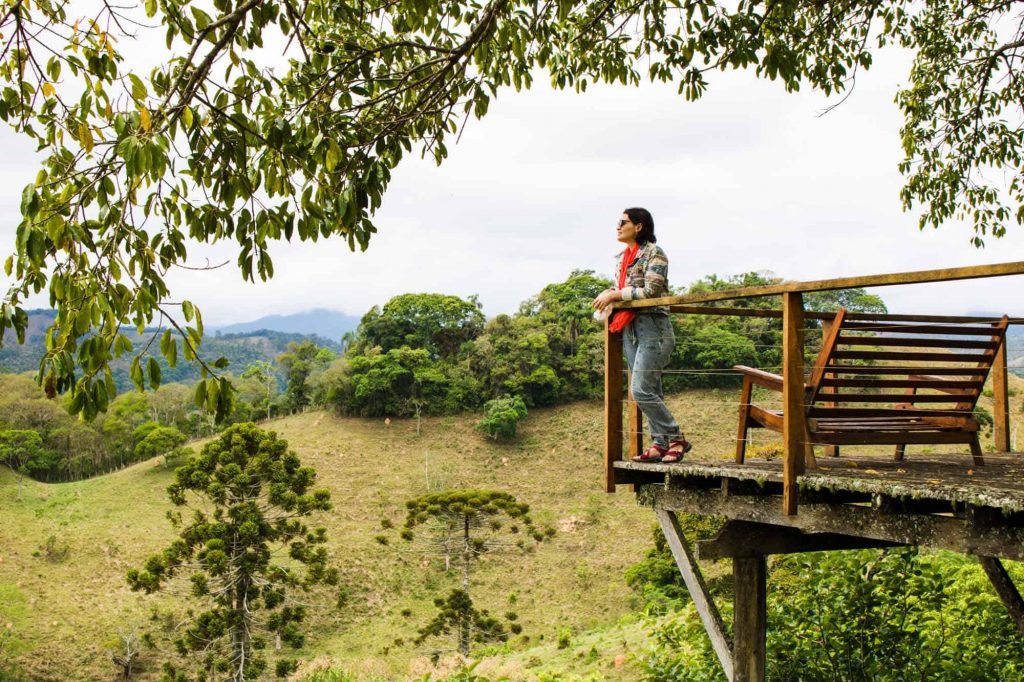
x=937, y=500
x=950, y=478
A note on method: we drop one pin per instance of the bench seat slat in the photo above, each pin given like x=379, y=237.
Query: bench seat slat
x=895, y=342
x=893, y=398
x=943, y=329
x=910, y=356
x=889, y=370
x=864, y=422
x=883, y=438
x=900, y=383
x=855, y=412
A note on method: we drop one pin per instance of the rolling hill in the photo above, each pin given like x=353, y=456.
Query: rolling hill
x=61, y=617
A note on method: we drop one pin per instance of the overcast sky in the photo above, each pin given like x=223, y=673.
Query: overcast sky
x=749, y=178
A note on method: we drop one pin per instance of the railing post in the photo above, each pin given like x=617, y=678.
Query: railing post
x=635, y=436
x=612, y=405
x=794, y=421
x=1000, y=400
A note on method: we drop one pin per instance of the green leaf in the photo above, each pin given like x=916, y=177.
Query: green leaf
x=202, y=18
x=139, y=91
x=199, y=397
x=154, y=373
x=85, y=136
x=333, y=155
x=29, y=201
x=135, y=372
x=150, y=8
x=212, y=394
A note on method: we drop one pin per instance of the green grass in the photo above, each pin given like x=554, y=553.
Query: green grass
x=63, y=617
x=72, y=611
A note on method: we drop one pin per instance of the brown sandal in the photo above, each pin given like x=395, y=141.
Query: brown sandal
x=673, y=455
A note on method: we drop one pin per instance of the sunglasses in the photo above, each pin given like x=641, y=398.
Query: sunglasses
x=622, y=223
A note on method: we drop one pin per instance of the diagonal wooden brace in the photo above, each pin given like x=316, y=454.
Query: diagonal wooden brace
x=698, y=589
x=1007, y=591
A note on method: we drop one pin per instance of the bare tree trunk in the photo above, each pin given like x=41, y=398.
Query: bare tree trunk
x=240, y=644
x=464, y=624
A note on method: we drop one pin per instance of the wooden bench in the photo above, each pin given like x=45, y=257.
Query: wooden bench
x=885, y=380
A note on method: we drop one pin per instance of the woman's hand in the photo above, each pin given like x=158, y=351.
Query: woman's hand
x=606, y=298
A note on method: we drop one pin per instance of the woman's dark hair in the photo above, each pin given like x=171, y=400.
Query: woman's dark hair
x=641, y=216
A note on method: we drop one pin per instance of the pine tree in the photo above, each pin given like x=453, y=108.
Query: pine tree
x=469, y=524
x=249, y=494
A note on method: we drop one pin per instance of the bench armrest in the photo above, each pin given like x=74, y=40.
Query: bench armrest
x=760, y=377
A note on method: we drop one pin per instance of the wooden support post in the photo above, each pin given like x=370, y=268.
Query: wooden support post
x=612, y=405
x=750, y=618
x=1007, y=591
x=826, y=327
x=697, y=588
x=1001, y=401
x=794, y=420
x=636, y=422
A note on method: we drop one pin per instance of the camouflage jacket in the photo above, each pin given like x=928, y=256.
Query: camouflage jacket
x=647, y=277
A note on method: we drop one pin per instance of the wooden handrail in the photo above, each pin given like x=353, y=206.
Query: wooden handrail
x=827, y=316
x=916, y=277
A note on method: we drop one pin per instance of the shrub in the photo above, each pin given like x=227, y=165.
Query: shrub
x=158, y=440
x=868, y=615
x=53, y=550
x=502, y=417
x=564, y=638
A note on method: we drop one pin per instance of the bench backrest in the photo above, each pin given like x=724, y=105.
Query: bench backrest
x=884, y=366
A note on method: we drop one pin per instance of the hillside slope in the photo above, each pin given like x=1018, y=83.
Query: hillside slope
x=62, y=616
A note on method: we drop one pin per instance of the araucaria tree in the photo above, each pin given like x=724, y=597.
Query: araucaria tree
x=248, y=495
x=226, y=140
x=465, y=525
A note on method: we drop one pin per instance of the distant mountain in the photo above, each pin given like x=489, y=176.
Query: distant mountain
x=329, y=324
x=241, y=349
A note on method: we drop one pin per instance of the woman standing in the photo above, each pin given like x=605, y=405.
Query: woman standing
x=647, y=335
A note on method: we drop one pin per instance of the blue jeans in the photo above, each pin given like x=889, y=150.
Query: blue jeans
x=647, y=343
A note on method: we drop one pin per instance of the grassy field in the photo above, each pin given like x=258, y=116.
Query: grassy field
x=60, y=618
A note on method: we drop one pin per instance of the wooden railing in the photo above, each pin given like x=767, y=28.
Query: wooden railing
x=793, y=317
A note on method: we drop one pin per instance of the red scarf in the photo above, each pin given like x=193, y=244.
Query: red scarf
x=621, y=318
